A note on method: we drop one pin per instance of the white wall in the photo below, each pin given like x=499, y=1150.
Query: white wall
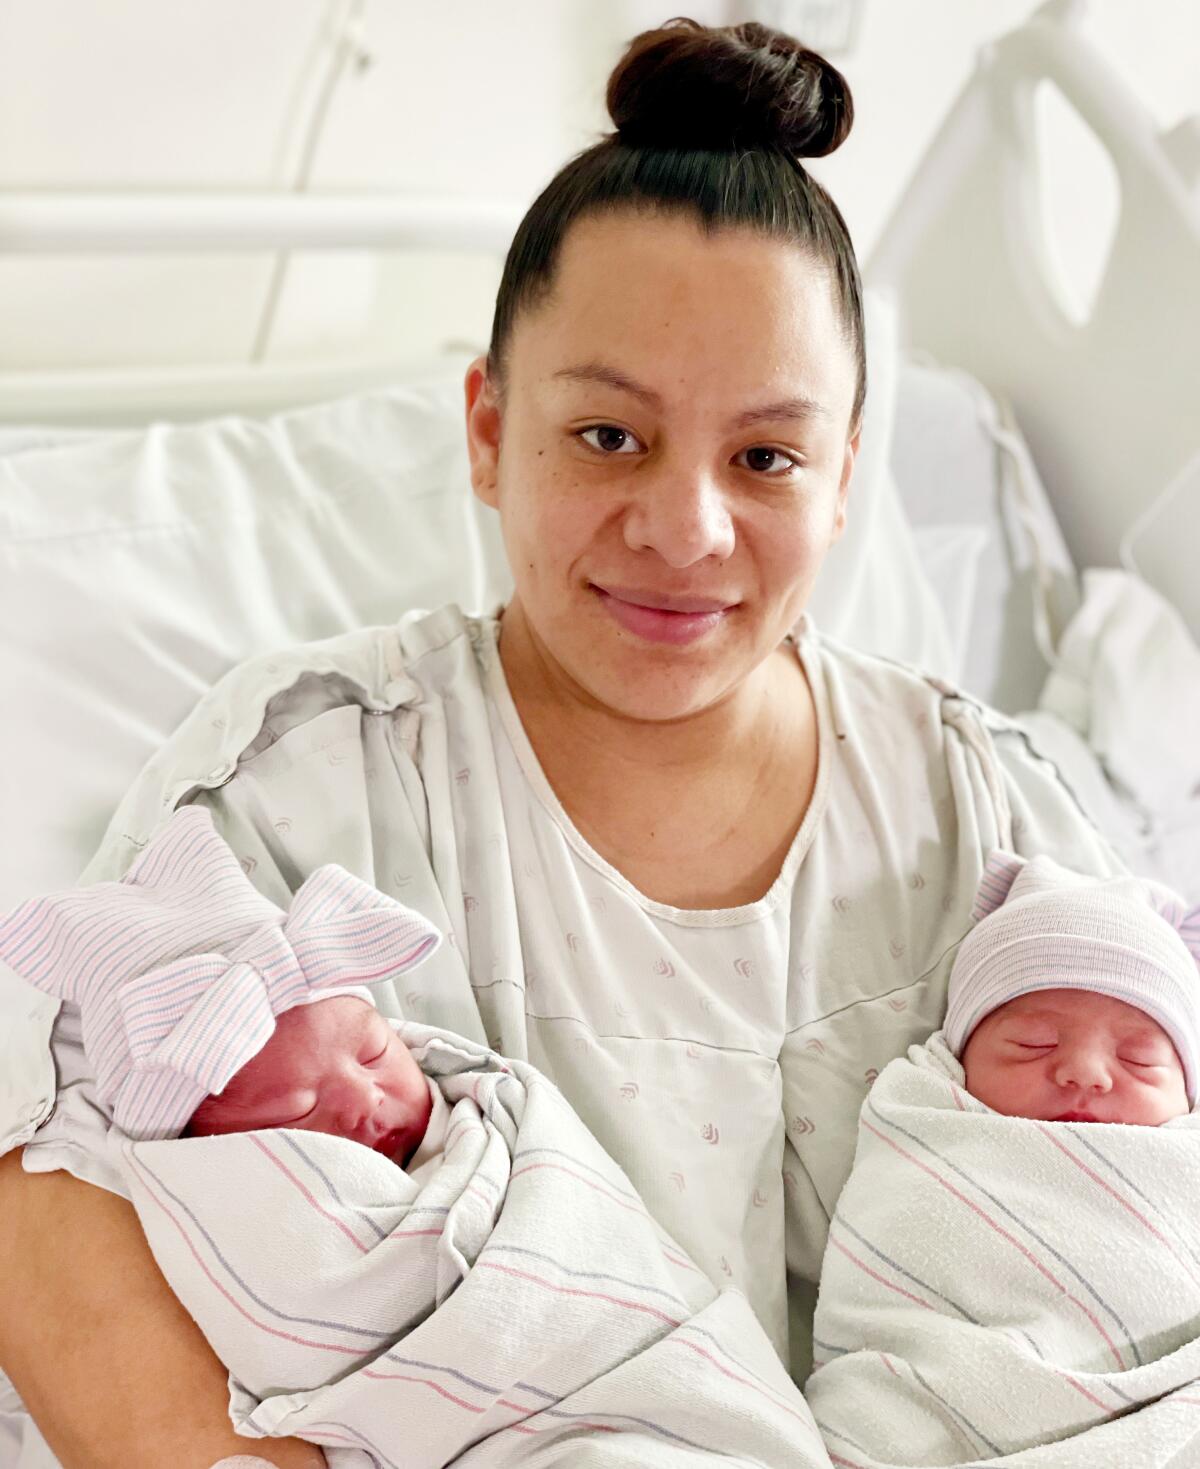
x=464, y=97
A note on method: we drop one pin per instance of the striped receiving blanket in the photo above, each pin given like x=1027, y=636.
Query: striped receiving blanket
x=1000, y=1291
x=518, y=1306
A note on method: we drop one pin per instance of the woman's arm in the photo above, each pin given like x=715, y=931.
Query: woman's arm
x=114, y=1371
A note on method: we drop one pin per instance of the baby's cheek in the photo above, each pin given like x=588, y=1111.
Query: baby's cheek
x=276, y=1064
x=995, y=1085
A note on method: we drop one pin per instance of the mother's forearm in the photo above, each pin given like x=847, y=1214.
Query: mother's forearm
x=114, y=1371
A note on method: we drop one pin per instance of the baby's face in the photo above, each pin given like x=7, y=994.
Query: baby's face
x=1073, y=1056
x=334, y=1066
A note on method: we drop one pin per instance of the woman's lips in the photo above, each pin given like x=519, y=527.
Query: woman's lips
x=662, y=619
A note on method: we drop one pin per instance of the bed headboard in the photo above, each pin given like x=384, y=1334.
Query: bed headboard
x=1109, y=405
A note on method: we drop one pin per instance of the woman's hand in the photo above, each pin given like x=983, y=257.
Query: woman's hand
x=114, y=1371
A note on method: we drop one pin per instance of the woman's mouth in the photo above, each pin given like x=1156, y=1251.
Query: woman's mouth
x=660, y=618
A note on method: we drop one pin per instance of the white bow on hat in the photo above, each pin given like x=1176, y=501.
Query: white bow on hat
x=180, y=968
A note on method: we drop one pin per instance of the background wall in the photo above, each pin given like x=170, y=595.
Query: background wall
x=460, y=98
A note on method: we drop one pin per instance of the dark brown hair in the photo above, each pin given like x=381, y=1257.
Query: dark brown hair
x=710, y=122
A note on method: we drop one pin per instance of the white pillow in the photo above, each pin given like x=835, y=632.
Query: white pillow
x=962, y=466
x=872, y=590
x=137, y=567
x=1161, y=544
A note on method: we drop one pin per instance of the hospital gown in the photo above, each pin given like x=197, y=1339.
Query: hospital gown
x=721, y=1056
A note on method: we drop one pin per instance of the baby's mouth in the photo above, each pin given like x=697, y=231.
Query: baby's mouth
x=1075, y=1117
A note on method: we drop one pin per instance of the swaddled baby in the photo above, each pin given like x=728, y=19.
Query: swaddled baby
x=1015, y=1259
x=206, y=1009
x=514, y=1298
x=1074, y=1000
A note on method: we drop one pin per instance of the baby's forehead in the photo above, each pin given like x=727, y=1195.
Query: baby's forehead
x=328, y=1025
x=1058, y=1006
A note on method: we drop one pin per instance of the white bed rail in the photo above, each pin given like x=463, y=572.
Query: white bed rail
x=1108, y=404
x=100, y=222
x=38, y=223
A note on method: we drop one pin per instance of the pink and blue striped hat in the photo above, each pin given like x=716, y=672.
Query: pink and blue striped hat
x=180, y=968
x=1040, y=926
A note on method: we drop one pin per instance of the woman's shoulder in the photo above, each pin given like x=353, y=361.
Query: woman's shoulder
x=879, y=697
x=879, y=690
x=299, y=695
x=900, y=717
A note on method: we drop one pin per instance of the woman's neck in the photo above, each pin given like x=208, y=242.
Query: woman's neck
x=737, y=731
x=696, y=813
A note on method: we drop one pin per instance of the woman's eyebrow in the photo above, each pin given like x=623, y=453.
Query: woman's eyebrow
x=597, y=372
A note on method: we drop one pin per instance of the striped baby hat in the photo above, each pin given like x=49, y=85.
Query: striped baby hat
x=1040, y=926
x=180, y=968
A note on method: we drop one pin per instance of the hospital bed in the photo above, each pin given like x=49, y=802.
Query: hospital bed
x=1014, y=527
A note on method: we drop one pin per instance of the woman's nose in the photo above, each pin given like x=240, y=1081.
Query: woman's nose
x=682, y=515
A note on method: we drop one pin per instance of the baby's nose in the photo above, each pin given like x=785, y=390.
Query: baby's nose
x=354, y=1099
x=1083, y=1067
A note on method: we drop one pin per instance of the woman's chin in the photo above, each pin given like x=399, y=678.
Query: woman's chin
x=658, y=697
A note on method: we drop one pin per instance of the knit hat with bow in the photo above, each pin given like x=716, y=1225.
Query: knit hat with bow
x=180, y=968
x=1041, y=927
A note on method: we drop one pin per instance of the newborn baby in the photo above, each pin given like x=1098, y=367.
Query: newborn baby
x=337, y=1066
x=513, y=1301
x=1073, y=1000
x=206, y=1009
x=1012, y=1262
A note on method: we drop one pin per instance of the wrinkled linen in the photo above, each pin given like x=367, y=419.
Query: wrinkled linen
x=998, y=1290
x=1119, y=714
x=518, y=1306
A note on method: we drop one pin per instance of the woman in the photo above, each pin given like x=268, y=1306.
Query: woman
x=705, y=868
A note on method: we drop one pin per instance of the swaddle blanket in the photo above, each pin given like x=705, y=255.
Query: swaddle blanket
x=1001, y=1291
x=516, y=1307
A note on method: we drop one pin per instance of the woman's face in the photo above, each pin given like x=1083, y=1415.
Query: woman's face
x=671, y=458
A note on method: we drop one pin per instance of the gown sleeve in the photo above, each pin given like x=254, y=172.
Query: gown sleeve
x=302, y=758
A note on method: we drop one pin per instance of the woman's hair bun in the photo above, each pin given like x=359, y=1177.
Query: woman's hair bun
x=686, y=85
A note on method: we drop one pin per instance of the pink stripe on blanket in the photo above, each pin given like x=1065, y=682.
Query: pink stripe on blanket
x=1125, y=1204
x=608, y=1194
x=424, y=1382
x=570, y=1290
x=866, y=1269
x=742, y=1381
x=237, y=1306
x=308, y=1195
x=1005, y=1235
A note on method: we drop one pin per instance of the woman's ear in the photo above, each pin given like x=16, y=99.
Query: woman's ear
x=483, y=431
x=848, y=458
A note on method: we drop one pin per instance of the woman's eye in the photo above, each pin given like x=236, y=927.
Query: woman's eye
x=760, y=457
x=611, y=438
